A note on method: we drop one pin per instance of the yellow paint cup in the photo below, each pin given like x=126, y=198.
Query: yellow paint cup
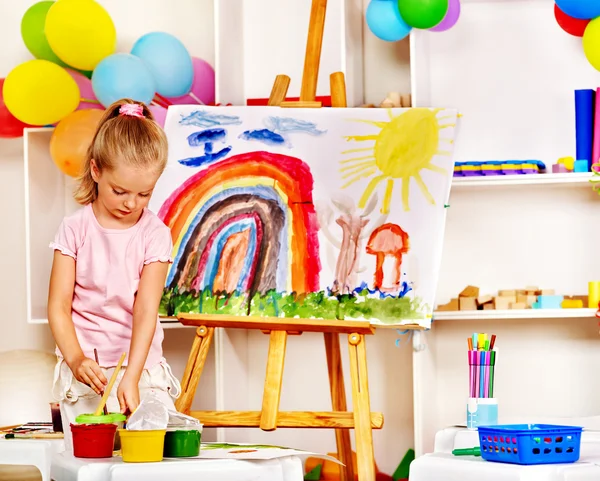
x=593, y=294
x=142, y=446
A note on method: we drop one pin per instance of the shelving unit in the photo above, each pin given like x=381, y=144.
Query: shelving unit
x=514, y=314
x=512, y=77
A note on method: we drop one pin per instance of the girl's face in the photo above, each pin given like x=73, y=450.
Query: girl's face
x=124, y=191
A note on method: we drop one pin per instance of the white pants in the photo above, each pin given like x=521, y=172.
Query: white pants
x=77, y=398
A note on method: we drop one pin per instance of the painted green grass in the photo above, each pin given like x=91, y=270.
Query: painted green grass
x=318, y=305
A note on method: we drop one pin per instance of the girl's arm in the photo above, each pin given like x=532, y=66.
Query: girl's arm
x=60, y=298
x=145, y=316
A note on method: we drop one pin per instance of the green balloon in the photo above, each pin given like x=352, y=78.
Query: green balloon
x=32, y=31
x=423, y=13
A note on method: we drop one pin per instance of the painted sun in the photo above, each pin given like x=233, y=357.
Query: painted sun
x=405, y=145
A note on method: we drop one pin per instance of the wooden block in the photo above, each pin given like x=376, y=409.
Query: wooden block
x=532, y=288
x=502, y=302
x=583, y=299
x=468, y=303
x=469, y=291
x=451, y=306
x=526, y=299
x=571, y=304
x=482, y=300
x=489, y=306
x=547, y=292
x=518, y=305
x=507, y=292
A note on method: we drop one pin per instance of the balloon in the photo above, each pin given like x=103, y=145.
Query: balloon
x=450, y=19
x=80, y=32
x=574, y=26
x=168, y=60
x=39, y=92
x=159, y=113
x=10, y=126
x=423, y=13
x=591, y=43
x=32, y=30
x=123, y=75
x=88, y=98
x=385, y=22
x=582, y=9
x=71, y=138
x=203, y=86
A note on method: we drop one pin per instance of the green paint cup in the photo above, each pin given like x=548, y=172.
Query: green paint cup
x=182, y=443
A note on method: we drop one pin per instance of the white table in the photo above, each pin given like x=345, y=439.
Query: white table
x=65, y=467
x=29, y=452
x=443, y=466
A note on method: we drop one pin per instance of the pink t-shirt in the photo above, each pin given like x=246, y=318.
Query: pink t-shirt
x=108, y=267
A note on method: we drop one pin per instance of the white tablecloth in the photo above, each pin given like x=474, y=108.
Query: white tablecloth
x=65, y=467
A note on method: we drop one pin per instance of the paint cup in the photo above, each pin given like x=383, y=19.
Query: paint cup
x=482, y=412
x=113, y=418
x=57, y=426
x=93, y=440
x=142, y=446
x=182, y=443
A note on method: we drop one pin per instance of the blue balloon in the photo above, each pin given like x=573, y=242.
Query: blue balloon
x=385, y=21
x=123, y=75
x=582, y=9
x=168, y=60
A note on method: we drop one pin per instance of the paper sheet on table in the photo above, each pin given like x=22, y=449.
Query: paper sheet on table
x=254, y=451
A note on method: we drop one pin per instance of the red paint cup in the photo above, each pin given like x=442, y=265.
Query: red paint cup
x=93, y=440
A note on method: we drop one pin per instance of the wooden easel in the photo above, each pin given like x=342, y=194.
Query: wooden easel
x=270, y=418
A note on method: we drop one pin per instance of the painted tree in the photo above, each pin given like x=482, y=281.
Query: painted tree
x=352, y=222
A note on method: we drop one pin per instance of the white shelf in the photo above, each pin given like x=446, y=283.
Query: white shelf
x=166, y=323
x=524, y=179
x=514, y=314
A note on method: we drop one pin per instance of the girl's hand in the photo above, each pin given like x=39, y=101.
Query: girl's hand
x=88, y=372
x=128, y=394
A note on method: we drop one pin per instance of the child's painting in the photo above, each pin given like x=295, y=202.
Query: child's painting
x=311, y=213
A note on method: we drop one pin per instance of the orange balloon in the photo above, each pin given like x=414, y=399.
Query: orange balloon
x=71, y=139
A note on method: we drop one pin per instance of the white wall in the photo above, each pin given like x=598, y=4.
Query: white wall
x=305, y=386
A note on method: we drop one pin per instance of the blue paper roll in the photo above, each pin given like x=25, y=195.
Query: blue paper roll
x=584, y=124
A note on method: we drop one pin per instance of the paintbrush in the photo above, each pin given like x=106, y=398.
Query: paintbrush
x=98, y=362
x=111, y=383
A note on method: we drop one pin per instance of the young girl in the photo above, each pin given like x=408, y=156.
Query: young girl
x=110, y=263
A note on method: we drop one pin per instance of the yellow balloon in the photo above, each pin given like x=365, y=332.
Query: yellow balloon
x=591, y=43
x=39, y=92
x=80, y=32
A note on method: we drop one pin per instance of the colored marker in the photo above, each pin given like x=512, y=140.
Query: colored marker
x=492, y=342
x=492, y=365
x=482, y=374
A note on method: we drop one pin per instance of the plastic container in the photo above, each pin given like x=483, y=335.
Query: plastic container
x=530, y=443
x=182, y=443
x=482, y=412
x=113, y=418
x=142, y=446
x=93, y=440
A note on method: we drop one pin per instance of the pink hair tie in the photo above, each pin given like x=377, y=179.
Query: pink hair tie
x=132, y=110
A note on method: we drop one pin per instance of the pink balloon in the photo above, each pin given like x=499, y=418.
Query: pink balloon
x=160, y=114
x=203, y=87
x=451, y=17
x=86, y=91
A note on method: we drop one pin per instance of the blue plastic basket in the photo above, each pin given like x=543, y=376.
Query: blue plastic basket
x=530, y=443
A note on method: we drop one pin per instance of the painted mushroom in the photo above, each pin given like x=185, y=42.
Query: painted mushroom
x=388, y=240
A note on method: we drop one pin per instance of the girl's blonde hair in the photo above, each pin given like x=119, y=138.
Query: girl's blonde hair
x=139, y=142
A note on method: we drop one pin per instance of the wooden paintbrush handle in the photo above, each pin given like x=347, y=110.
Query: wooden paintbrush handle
x=111, y=383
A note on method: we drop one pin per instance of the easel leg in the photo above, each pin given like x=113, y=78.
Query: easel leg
x=273, y=380
x=338, y=401
x=365, y=458
x=279, y=90
x=194, y=367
